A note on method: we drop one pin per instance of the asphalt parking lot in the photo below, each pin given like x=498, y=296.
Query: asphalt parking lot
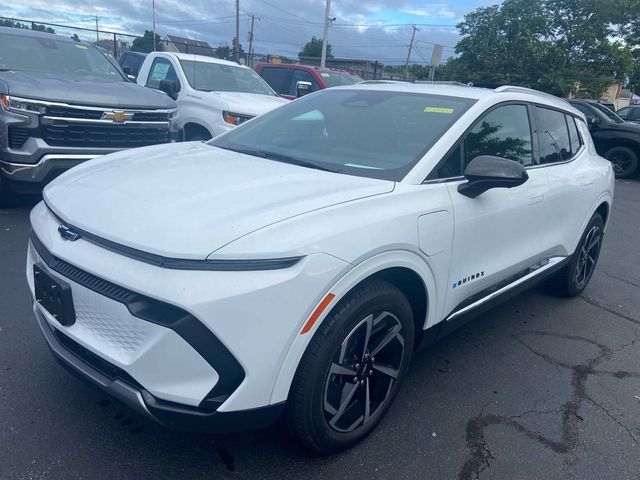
x=539, y=387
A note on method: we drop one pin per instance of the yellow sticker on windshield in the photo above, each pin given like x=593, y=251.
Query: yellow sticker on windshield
x=438, y=110
x=84, y=47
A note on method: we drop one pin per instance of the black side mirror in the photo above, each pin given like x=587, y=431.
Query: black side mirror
x=593, y=122
x=302, y=88
x=170, y=87
x=486, y=172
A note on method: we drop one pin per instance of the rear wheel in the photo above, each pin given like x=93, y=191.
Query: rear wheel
x=574, y=277
x=352, y=368
x=624, y=161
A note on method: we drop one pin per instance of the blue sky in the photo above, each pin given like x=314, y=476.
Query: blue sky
x=368, y=29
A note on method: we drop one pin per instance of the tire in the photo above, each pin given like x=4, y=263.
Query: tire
x=574, y=277
x=338, y=365
x=624, y=161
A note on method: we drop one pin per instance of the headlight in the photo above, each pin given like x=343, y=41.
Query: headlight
x=172, y=114
x=235, y=118
x=21, y=105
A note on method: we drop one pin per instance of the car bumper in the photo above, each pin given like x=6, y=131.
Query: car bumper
x=237, y=319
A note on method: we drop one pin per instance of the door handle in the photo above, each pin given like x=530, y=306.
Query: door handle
x=537, y=199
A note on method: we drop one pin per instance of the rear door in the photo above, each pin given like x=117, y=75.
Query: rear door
x=498, y=233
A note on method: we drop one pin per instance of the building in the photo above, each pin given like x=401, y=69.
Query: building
x=173, y=43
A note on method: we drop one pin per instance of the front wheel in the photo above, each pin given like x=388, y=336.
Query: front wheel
x=352, y=368
x=624, y=161
x=574, y=277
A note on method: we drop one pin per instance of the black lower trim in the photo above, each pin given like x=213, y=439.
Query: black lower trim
x=194, y=332
x=445, y=328
x=101, y=374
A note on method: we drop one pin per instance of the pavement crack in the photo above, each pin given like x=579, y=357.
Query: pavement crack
x=622, y=279
x=592, y=301
x=614, y=418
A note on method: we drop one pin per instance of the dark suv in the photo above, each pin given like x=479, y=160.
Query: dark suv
x=63, y=101
x=616, y=140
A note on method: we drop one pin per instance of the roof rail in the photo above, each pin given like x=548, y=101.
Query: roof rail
x=516, y=89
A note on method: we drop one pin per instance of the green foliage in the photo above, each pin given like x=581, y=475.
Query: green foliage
x=313, y=48
x=558, y=46
x=224, y=52
x=145, y=43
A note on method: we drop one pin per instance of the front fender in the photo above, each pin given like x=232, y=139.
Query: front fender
x=362, y=271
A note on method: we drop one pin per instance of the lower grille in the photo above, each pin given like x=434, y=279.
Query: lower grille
x=104, y=136
x=17, y=136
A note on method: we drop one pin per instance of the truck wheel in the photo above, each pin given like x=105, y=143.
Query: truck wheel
x=574, y=277
x=352, y=368
x=624, y=161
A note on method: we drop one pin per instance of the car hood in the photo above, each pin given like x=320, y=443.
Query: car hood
x=252, y=104
x=83, y=90
x=186, y=200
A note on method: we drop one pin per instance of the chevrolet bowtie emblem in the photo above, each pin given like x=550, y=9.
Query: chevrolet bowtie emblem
x=117, y=116
x=68, y=234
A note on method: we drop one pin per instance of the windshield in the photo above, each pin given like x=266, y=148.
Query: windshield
x=335, y=79
x=378, y=134
x=608, y=113
x=51, y=55
x=216, y=77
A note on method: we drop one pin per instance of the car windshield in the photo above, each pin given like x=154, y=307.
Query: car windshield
x=56, y=56
x=336, y=79
x=611, y=115
x=369, y=133
x=217, y=77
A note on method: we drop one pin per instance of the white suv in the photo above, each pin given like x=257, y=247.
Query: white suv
x=293, y=264
x=213, y=95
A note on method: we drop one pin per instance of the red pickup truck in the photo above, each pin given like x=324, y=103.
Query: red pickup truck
x=284, y=77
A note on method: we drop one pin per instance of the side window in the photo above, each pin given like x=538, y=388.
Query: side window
x=503, y=132
x=451, y=167
x=161, y=70
x=634, y=114
x=302, y=76
x=574, y=136
x=278, y=78
x=553, y=135
x=589, y=114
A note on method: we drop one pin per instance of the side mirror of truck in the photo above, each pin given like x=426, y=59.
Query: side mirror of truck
x=127, y=72
x=593, y=122
x=170, y=87
x=302, y=88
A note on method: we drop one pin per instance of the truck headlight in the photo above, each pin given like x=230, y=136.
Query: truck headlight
x=235, y=118
x=14, y=104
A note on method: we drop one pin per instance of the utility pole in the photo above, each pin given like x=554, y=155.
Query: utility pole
x=153, y=8
x=236, y=46
x=250, y=59
x=97, y=36
x=325, y=34
x=406, y=64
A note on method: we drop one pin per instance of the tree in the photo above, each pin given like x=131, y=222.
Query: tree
x=558, y=46
x=145, y=43
x=313, y=49
x=224, y=52
x=33, y=26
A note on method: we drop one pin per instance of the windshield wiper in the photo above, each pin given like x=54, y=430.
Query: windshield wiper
x=255, y=152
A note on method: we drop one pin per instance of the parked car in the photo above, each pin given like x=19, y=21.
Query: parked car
x=630, y=113
x=616, y=140
x=131, y=62
x=292, y=265
x=62, y=102
x=213, y=95
x=287, y=79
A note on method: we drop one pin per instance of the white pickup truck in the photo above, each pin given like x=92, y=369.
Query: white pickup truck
x=213, y=95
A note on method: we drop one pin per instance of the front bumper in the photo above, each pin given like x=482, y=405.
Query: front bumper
x=119, y=385
x=254, y=316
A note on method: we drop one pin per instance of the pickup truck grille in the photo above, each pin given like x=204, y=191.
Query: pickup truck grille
x=104, y=135
x=91, y=114
x=17, y=136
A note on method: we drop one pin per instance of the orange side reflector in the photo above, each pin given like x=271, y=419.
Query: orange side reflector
x=317, y=312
